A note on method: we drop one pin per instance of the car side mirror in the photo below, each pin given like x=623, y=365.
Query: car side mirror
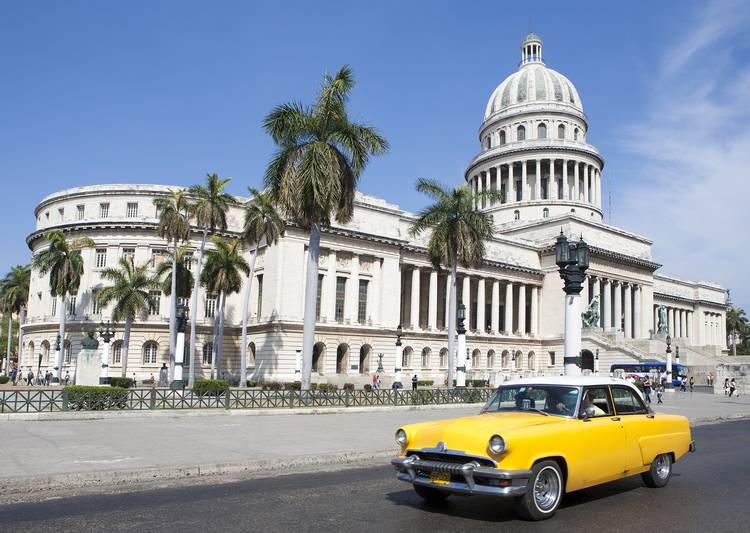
x=588, y=412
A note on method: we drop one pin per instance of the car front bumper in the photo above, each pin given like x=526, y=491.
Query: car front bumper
x=467, y=479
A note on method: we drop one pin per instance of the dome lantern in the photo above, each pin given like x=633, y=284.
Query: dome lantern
x=531, y=49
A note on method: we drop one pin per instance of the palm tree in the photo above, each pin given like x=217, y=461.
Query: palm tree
x=223, y=276
x=736, y=322
x=262, y=221
x=63, y=261
x=184, y=281
x=130, y=291
x=210, y=212
x=458, y=232
x=14, y=292
x=175, y=227
x=313, y=175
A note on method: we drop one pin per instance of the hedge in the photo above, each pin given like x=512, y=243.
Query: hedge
x=84, y=398
x=425, y=383
x=349, y=386
x=210, y=387
x=4, y=379
x=124, y=383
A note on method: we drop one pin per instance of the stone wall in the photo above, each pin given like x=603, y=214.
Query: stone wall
x=740, y=373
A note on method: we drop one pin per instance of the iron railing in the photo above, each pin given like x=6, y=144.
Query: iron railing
x=46, y=400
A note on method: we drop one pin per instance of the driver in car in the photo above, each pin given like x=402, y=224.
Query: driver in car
x=588, y=402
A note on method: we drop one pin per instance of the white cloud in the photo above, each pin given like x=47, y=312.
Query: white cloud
x=692, y=154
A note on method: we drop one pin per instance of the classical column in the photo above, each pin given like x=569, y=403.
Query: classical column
x=538, y=181
x=329, y=309
x=351, y=305
x=606, y=313
x=670, y=314
x=689, y=324
x=466, y=300
x=628, y=311
x=375, y=296
x=552, y=182
x=432, y=308
x=598, y=180
x=534, y=328
x=638, y=329
x=511, y=184
x=521, y=309
x=483, y=187
x=597, y=291
x=587, y=184
x=447, y=298
x=414, y=317
x=575, y=181
x=617, y=315
x=495, y=318
x=565, y=187
x=480, y=306
x=681, y=323
x=524, y=182
x=509, y=308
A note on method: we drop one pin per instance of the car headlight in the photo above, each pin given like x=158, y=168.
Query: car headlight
x=497, y=444
x=401, y=439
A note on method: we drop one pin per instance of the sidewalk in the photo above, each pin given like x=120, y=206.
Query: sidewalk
x=74, y=455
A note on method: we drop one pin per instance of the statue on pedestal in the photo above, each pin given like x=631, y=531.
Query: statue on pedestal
x=661, y=328
x=89, y=342
x=591, y=317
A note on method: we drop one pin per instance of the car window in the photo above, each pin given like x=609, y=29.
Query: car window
x=597, y=398
x=552, y=399
x=627, y=401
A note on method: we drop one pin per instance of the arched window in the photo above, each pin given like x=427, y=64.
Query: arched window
x=319, y=354
x=31, y=351
x=45, y=351
x=504, y=359
x=251, y=354
x=365, y=353
x=519, y=359
x=575, y=134
x=502, y=137
x=406, y=357
x=491, y=359
x=66, y=350
x=426, y=357
x=444, y=358
x=342, y=358
x=542, y=131
x=545, y=213
x=516, y=215
x=117, y=353
x=531, y=359
x=521, y=133
x=476, y=358
x=561, y=132
x=150, y=349
x=208, y=353
x=488, y=142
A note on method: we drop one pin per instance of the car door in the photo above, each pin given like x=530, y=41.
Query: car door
x=636, y=420
x=603, y=438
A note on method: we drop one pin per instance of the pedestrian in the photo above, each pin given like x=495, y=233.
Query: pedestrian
x=726, y=386
x=163, y=371
x=647, y=389
x=692, y=383
x=414, y=382
x=30, y=377
x=732, y=387
x=683, y=380
x=134, y=381
x=14, y=375
x=659, y=392
x=47, y=378
x=377, y=384
x=375, y=381
x=67, y=378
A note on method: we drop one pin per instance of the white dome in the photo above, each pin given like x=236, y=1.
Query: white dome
x=534, y=83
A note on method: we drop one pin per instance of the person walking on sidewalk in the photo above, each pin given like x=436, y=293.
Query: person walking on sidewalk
x=726, y=386
x=692, y=383
x=647, y=389
x=732, y=387
x=414, y=382
x=659, y=392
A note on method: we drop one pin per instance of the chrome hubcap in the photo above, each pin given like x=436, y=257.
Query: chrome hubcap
x=662, y=466
x=546, y=489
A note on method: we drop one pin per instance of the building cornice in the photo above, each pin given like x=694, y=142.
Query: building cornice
x=689, y=301
x=612, y=256
x=420, y=250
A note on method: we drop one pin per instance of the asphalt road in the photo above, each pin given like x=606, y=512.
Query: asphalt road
x=708, y=491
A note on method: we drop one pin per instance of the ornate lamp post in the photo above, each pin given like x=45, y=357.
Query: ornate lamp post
x=668, y=386
x=399, y=359
x=596, y=362
x=179, y=352
x=572, y=260
x=461, y=347
x=298, y=366
x=58, y=361
x=106, y=333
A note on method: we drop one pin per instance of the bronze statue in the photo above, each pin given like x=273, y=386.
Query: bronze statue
x=591, y=317
x=89, y=341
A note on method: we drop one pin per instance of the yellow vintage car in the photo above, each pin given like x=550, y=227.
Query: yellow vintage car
x=538, y=438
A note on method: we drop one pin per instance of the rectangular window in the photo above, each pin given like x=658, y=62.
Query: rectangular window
x=154, y=309
x=185, y=302
x=132, y=210
x=259, y=310
x=340, y=297
x=210, y=306
x=72, y=306
x=104, y=210
x=362, y=307
x=101, y=257
x=319, y=297
x=54, y=306
x=96, y=308
x=81, y=211
x=157, y=256
x=187, y=260
x=552, y=359
x=128, y=254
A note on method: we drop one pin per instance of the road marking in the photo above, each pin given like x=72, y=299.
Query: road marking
x=105, y=461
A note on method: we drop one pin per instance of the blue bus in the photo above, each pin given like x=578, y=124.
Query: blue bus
x=641, y=370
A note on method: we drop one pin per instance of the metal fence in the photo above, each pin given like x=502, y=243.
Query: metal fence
x=35, y=401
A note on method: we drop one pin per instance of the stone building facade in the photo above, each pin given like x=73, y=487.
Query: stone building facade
x=374, y=276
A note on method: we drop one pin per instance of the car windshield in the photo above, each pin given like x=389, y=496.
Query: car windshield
x=549, y=399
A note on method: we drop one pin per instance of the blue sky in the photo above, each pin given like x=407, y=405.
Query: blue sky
x=164, y=92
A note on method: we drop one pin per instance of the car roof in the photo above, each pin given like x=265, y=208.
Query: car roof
x=570, y=381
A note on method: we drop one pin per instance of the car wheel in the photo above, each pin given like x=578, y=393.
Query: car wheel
x=660, y=472
x=430, y=495
x=544, y=492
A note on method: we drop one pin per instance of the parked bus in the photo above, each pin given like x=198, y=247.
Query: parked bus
x=641, y=370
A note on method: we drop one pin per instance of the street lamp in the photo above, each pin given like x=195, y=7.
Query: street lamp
x=399, y=356
x=181, y=314
x=106, y=333
x=572, y=260
x=596, y=362
x=461, y=346
x=58, y=362
x=669, y=385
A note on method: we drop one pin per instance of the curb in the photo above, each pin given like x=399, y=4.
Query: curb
x=709, y=420
x=189, y=413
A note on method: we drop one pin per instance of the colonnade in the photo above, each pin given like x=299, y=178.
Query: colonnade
x=493, y=305
x=679, y=321
x=540, y=179
x=714, y=329
x=620, y=304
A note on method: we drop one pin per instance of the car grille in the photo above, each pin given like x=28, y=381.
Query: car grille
x=447, y=460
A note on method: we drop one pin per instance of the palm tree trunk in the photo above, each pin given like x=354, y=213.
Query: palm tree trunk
x=452, y=326
x=220, y=334
x=311, y=296
x=10, y=342
x=173, y=312
x=126, y=346
x=21, y=320
x=194, y=311
x=61, y=334
x=245, y=317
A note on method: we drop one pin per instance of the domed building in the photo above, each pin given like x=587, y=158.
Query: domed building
x=375, y=276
